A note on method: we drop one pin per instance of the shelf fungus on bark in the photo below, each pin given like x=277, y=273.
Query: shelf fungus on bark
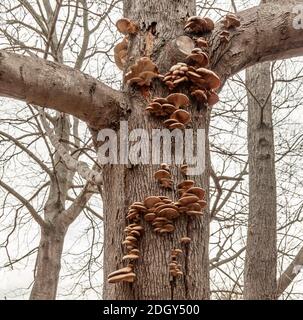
x=185, y=240
x=178, y=119
x=127, y=26
x=196, y=24
x=231, y=21
x=163, y=107
x=200, y=79
x=204, y=96
x=120, y=53
x=125, y=274
x=197, y=58
x=201, y=42
x=191, y=201
x=161, y=211
x=163, y=175
x=224, y=36
x=142, y=72
x=174, y=266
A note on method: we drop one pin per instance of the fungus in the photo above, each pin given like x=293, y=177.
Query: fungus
x=184, y=168
x=185, y=240
x=224, y=36
x=197, y=58
x=131, y=256
x=197, y=24
x=164, y=178
x=142, y=72
x=231, y=21
x=126, y=277
x=201, y=42
x=120, y=53
x=127, y=26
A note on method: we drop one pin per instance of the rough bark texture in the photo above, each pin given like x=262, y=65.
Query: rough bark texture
x=48, y=264
x=123, y=185
x=261, y=252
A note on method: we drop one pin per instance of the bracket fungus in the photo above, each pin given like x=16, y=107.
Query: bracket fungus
x=174, y=266
x=197, y=58
x=196, y=24
x=231, y=21
x=191, y=201
x=224, y=36
x=170, y=106
x=163, y=175
x=201, y=42
x=120, y=276
x=142, y=72
x=127, y=26
x=120, y=53
x=185, y=240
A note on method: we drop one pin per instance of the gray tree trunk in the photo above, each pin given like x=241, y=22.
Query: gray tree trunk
x=48, y=264
x=261, y=251
x=123, y=185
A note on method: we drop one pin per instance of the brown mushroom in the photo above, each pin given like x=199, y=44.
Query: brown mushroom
x=178, y=100
x=124, y=270
x=142, y=72
x=231, y=21
x=126, y=277
x=199, y=192
x=120, y=53
x=211, y=79
x=131, y=256
x=197, y=59
x=149, y=202
x=197, y=24
x=185, y=240
x=201, y=42
x=182, y=116
x=127, y=26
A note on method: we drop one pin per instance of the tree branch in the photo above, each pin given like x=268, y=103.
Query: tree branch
x=266, y=33
x=290, y=273
x=59, y=87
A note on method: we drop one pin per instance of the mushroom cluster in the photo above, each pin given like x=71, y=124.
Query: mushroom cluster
x=161, y=211
x=163, y=175
x=174, y=266
x=133, y=233
x=204, y=82
x=126, y=27
x=196, y=24
x=191, y=201
x=142, y=72
x=230, y=21
x=171, y=107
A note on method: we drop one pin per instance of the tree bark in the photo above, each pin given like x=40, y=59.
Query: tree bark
x=261, y=251
x=48, y=264
x=124, y=185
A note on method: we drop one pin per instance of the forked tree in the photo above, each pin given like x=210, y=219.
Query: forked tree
x=265, y=33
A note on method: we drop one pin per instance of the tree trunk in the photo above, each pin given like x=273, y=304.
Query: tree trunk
x=161, y=22
x=48, y=264
x=261, y=251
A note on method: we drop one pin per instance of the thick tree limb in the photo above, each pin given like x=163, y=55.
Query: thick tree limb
x=290, y=273
x=266, y=33
x=59, y=87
